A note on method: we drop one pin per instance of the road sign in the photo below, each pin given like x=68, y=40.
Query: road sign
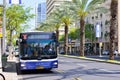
x=14, y=1
x=98, y=30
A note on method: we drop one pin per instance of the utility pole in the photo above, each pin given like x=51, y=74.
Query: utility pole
x=4, y=26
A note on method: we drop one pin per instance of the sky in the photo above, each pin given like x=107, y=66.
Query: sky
x=29, y=3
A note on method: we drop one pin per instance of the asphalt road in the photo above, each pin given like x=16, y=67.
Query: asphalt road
x=76, y=69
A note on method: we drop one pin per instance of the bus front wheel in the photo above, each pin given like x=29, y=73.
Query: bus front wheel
x=49, y=69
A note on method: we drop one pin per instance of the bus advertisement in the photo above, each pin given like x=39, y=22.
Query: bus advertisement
x=37, y=50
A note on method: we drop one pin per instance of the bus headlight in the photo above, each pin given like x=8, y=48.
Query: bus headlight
x=23, y=65
x=55, y=63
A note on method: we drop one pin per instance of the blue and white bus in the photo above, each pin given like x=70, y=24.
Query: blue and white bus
x=37, y=50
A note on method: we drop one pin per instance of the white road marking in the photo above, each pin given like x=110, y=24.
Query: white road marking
x=77, y=79
x=108, y=70
x=81, y=65
x=61, y=60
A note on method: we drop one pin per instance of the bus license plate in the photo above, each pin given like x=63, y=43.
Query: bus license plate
x=39, y=67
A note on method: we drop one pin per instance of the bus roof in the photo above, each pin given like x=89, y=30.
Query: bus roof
x=32, y=32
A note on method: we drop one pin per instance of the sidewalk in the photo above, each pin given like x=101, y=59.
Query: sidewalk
x=10, y=70
x=10, y=76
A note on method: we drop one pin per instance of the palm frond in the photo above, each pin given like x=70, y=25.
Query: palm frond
x=94, y=4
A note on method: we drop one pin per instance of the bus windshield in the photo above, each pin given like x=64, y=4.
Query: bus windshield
x=38, y=49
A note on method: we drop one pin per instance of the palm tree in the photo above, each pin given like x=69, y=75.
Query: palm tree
x=43, y=26
x=66, y=19
x=113, y=9
x=55, y=19
x=52, y=23
x=81, y=9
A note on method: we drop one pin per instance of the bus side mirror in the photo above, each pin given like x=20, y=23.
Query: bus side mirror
x=17, y=42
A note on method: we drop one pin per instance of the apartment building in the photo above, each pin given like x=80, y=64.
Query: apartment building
x=103, y=19
x=52, y=4
x=41, y=12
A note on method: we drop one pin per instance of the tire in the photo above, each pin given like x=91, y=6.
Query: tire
x=18, y=69
x=2, y=77
x=49, y=69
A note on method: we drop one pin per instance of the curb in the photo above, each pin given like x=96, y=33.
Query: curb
x=92, y=59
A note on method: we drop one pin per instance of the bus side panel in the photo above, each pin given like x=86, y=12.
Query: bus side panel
x=38, y=65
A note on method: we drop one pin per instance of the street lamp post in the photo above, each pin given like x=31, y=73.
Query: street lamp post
x=3, y=48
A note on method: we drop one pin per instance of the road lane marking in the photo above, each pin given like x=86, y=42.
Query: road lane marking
x=77, y=79
x=105, y=70
x=64, y=61
x=61, y=60
x=60, y=71
x=82, y=65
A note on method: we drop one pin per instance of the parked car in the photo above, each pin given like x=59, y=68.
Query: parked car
x=105, y=52
x=116, y=52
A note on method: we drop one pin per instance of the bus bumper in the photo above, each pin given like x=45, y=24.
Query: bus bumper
x=31, y=65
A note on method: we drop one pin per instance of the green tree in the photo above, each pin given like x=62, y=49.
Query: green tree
x=45, y=26
x=113, y=22
x=50, y=25
x=74, y=33
x=55, y=20
x=17, y=16
x=89, y=31
x=1, y=12
x=81, y=9
x=66, y=19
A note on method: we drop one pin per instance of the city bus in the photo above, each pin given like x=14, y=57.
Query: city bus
x=40, y=53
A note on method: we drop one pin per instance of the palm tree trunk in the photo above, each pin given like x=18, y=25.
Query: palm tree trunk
x=57, y=34
x=82, y=36
x=66, y=40
x=57, y=38
x=112, y=27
